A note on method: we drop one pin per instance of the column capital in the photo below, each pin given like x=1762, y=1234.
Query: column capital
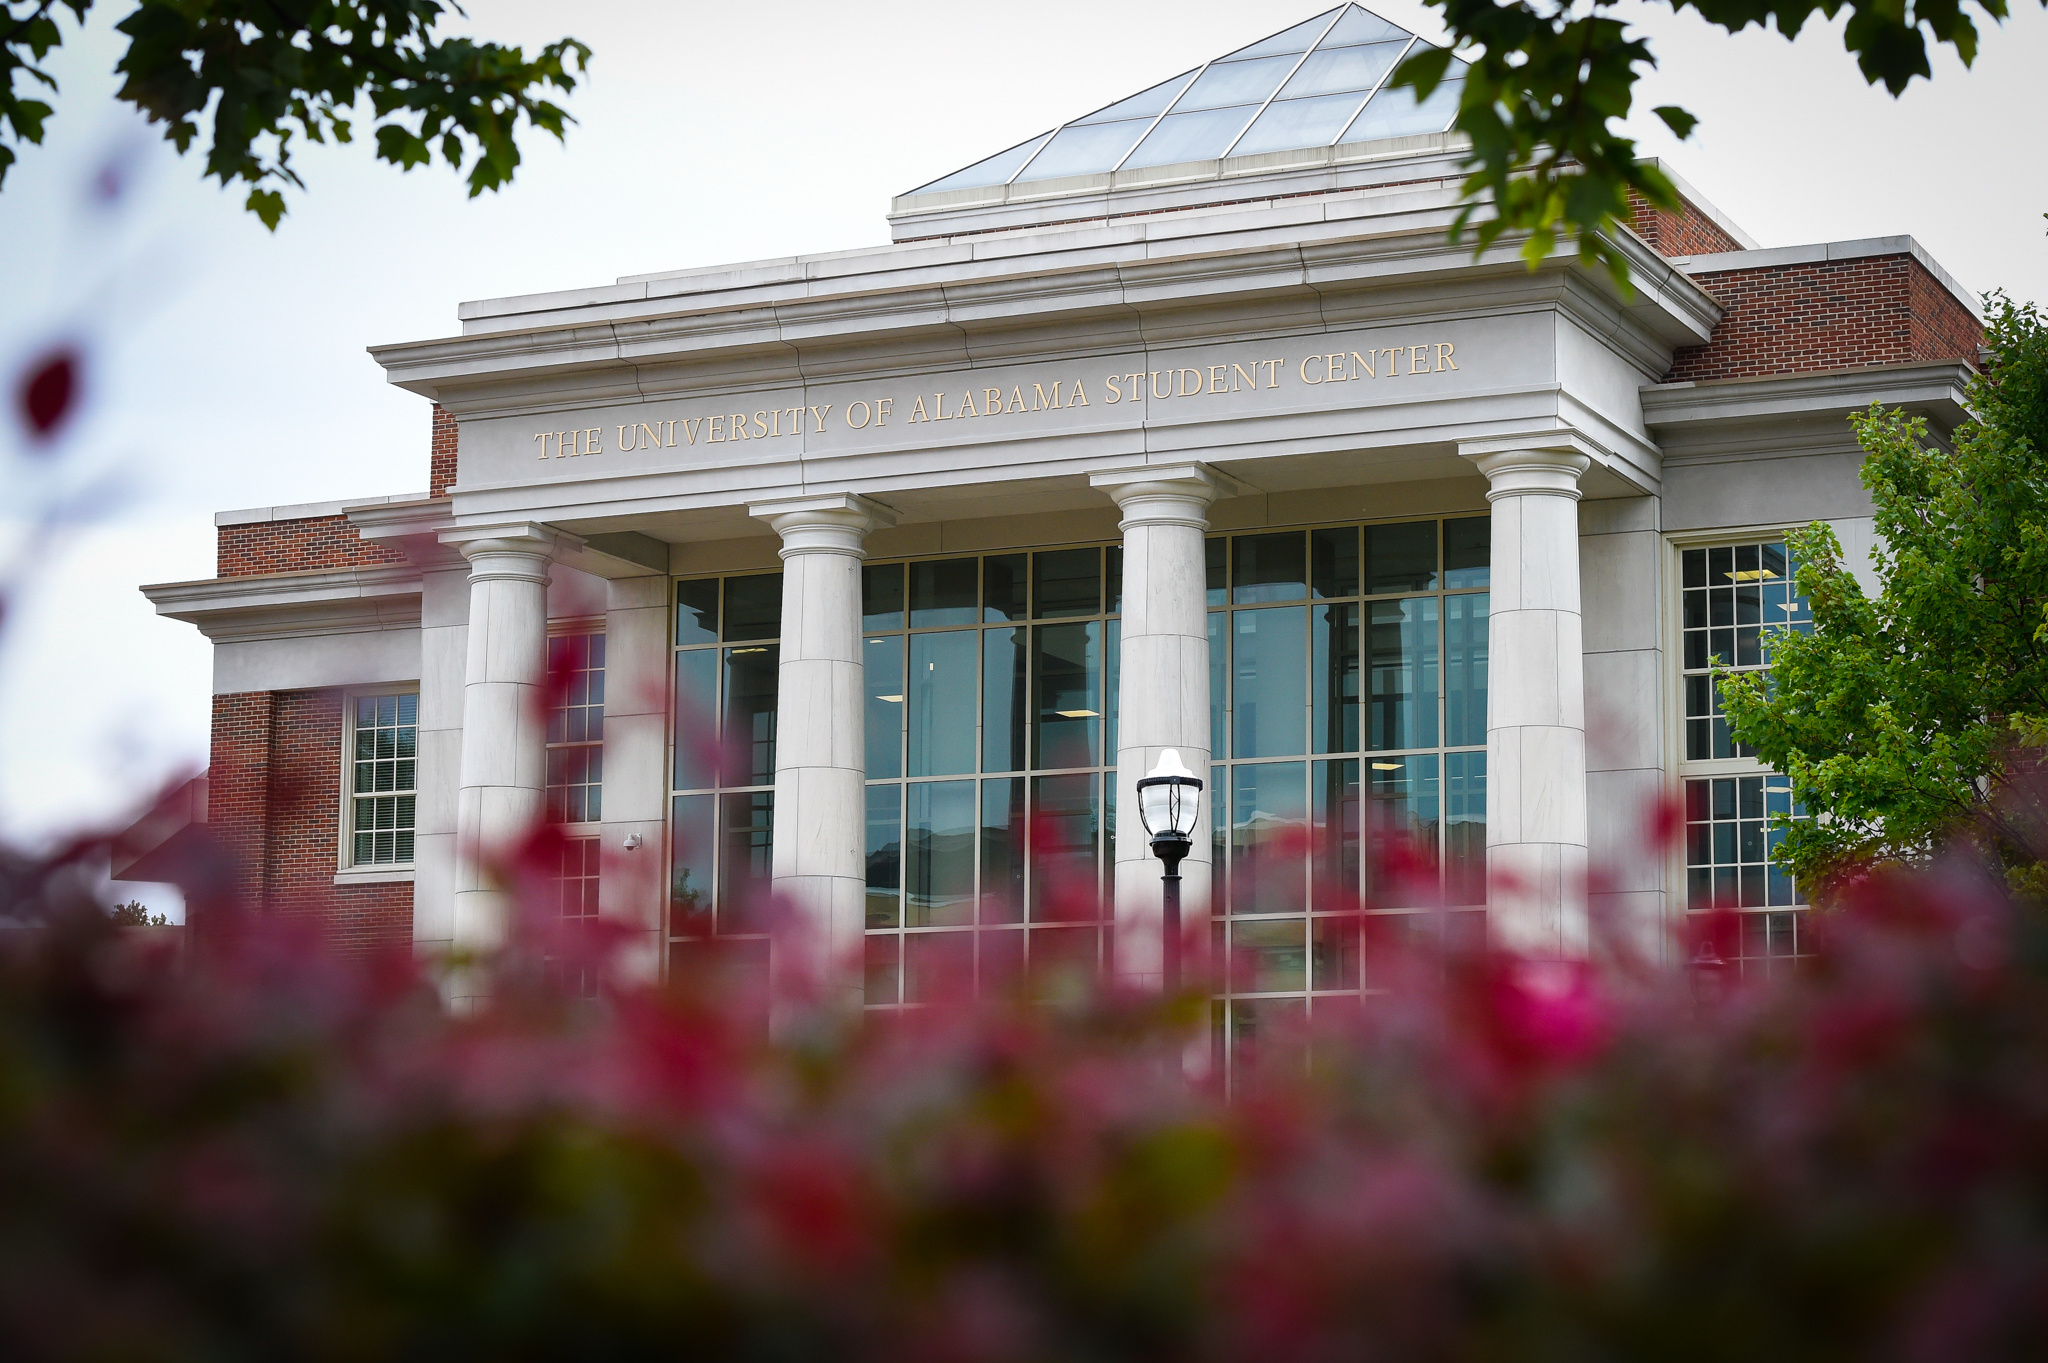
x=1165, y=494
x=1552, y=471
x=827, y=523
x=514, y=549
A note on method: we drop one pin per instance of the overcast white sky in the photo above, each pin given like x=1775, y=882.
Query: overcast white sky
x=229, y=362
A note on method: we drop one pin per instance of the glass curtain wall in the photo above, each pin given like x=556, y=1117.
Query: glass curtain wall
x=575, y=789
x=723, y=778
x=1348, y=673
x=991, y=739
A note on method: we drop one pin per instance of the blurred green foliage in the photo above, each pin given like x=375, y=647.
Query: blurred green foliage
x=1549, y=80
x=260, y=73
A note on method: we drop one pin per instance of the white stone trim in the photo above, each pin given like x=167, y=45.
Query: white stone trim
x=293, y=605
x=301, y=511
x=1396, y=230
x=374, y=875
x=1938, y=390
x=834, y=523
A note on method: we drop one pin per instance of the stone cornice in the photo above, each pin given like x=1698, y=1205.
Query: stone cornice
x=414, y=525
x=290, y=605
x=925, y=307
x=1935, y=389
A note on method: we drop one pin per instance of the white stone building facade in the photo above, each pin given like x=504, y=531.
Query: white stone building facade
x=876, y=579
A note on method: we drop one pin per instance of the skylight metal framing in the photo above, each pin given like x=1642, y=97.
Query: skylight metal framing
x=1335, y=15
x=1160, y=117
x=1331, y=19
x=1373, y=93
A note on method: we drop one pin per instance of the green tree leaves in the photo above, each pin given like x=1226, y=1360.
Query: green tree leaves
x=1549, y=79
x=1917, y=714
x=259, y=73
x=28, y=33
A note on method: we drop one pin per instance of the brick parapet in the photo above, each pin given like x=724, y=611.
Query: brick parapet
x=297, y=546
x=441, y=453
x=1817, y=316
x=275, y=802
x=1686, y=232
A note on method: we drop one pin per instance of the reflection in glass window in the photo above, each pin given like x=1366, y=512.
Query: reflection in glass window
x=1730, y=861
x=1384, y=828
x=1268, y=682
x=1394, y=112
x=1291, y=123
x=1200, y=136
x=989, y=841
x=1245, y=81
x=1734, y=597
x=721, y=819
x=1087, y=149
x=1402, y=655
x=1350, y=68
x=1733, y=600
x=575, y=787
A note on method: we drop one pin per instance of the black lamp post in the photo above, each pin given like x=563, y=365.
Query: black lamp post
x=1709, y=973
x=1169, y=802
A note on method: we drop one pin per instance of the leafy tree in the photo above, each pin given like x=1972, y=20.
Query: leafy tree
x=262, y=72
x=136, y=914
x=1548, y=78
x=1921, y=713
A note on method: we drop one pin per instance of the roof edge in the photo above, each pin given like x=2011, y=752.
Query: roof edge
x=1816, y=253
x=306, y=511
x=1706, y=207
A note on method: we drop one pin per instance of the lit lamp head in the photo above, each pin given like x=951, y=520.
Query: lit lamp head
x=1169, y=802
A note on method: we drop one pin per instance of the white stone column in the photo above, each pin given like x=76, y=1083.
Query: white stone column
x=504, y=734
x=444, y=648
x=1536, y=704
x=819, y=861
x=634, y=884
x=1162, y=696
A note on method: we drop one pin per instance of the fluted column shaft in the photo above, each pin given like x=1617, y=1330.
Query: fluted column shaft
x=819, y=863
x=1536, y=705
x=1162, y=695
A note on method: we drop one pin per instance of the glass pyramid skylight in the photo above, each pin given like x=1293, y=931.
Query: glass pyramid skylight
x=1314, y=85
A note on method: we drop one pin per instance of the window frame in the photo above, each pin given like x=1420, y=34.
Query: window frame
x=568, y=629
x=1028, y=925
x=1679, y=768
x=1232, y=999
x=347, y=871
x=716, y=936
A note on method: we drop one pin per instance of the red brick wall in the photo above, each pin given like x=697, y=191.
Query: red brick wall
x=1823, y=315
x=238, y=785
x=1687, y=232
x=441, y=454
x=275, y=800
x=297, y=546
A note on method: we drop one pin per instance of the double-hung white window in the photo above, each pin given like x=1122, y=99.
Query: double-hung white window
x=383, y=779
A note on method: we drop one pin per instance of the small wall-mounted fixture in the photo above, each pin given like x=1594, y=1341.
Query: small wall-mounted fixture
x=632, y=842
